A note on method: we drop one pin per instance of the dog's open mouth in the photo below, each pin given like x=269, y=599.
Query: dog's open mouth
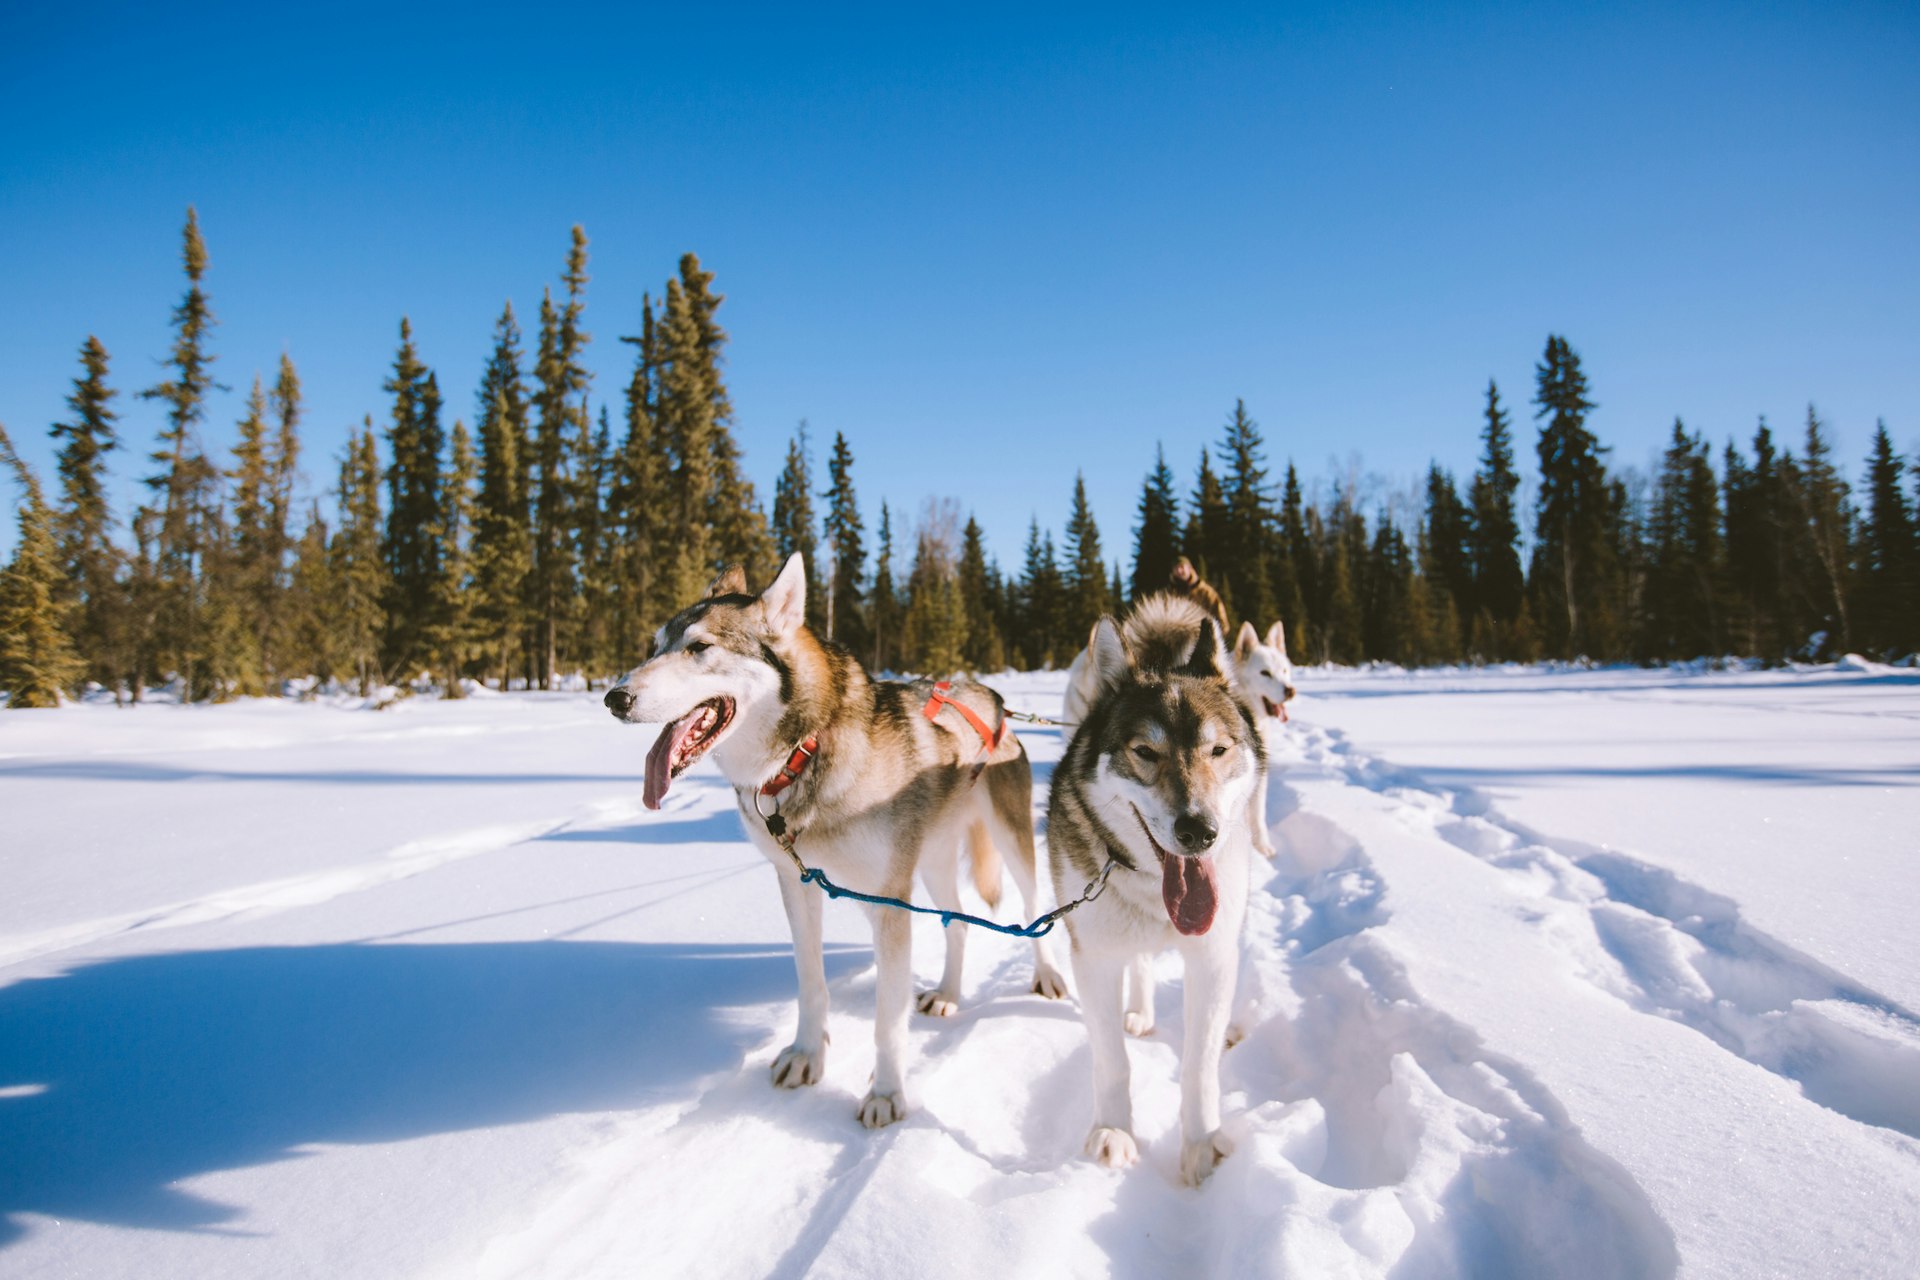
x=1278, y=710
x=681, y=743
x=1186, y=886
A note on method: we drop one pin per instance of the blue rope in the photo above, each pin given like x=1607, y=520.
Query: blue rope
x=1038, y=929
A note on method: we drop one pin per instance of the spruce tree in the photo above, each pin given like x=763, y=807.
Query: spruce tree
x=739, y=526
x=414, y=445
x=1040, y=633
x=846, y=617
x=1243, y=567
x=503, y=529
x=934, y=630
x=1156, y=538
x=37, y=660
x=306, y=612
x=1446, y=562
x=1085, y=594
x=357, y=571
x=885, y=607
x=1824, y=535
x=89, y=560
x=636, y=500
x=1205, y=540
x=1298, y=576
x=1889, y=555
x=984, y=650
x=1499, y=586
x=687, y=429
x=283, y=469
x=1684, y=588
x=248, y=596
x=793, y=527
x=455, y=626
x=559, y=403
x=1573, y=568
x=169, y=625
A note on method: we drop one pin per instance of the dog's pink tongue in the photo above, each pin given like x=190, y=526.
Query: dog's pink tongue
x=1187, y=886
x=660, y=759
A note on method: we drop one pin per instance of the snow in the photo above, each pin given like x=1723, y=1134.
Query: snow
x=1557, y=972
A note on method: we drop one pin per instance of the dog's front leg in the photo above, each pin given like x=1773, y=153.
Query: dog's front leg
x=886, y=1102
x=1101, y=977
x=805, y=1060
x=1211, y=970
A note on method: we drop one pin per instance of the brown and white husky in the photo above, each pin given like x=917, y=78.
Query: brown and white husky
x=1160, y=778
x=893, y=782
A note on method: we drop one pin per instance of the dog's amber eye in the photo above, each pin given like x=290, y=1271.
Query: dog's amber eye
x=1147, y=755
x=697, y=646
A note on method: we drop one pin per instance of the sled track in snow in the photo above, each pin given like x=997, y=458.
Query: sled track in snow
x=1685, y=953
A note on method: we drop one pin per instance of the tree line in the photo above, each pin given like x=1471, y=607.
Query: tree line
x=553, y=537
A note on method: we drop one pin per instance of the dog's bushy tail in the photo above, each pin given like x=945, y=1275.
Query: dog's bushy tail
x=986, y=862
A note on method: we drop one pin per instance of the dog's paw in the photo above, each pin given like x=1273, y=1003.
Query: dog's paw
x=1235, y=1034
x=936, y=1004
x=1049, y=982
x=1197, y=1159
x=797, y=1066
x=1137, y=1024
x=878, y=1110
x=1114, y=1148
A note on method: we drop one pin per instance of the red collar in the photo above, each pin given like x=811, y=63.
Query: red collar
x=942, y=697
x=795, y=766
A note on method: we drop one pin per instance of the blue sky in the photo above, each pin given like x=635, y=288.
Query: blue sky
x=993, y=247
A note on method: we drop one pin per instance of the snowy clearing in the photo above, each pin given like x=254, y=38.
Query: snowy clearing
x=1600, y=973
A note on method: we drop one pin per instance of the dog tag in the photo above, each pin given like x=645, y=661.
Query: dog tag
x=776, y=826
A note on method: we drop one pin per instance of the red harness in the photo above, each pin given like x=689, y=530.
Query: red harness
x=942, y=697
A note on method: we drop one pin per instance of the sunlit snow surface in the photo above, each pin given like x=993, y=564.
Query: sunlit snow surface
x=1558, y=973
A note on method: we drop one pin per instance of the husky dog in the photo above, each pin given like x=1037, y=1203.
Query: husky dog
x=1158, y=778
x=897, y=778
x=1164, y=629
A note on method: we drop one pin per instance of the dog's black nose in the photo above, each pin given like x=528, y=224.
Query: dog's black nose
x=619, y=701
x=1195, y=831
x=1290, y=692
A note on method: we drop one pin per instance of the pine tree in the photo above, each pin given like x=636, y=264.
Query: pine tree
x=984, y=650
x=452, y=640
x=635, y=500
x=885, y=606
x=1684, y=588
x=1889, y=555
x=175, y=532
x=1205, y=539
x=588, y=635
x=357, y=571
x=1387, y=629
x=1247, y=576
x=559, y=402
x=687, y=428
x=793, y=527
x=1298, y=576
x=248, y=599
x=1086, y=575
x=1573, y=576
x=503, y=530
x=1499, y=587
x=934, y=631
x=1824, y=535
x=89, y=561
x=846, y=618
x=283, y=469
x=739, y=526
x=1040, y=633
x=414, y=445
x=37, y=660
x=1756, y=512
x=1156, y=539
x=1446, y=562
x=306, y=613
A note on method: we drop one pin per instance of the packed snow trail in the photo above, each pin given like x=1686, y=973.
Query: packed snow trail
x=520, y=1028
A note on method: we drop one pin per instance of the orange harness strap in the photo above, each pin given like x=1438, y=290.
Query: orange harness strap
x=943, y=696
x=790, y=772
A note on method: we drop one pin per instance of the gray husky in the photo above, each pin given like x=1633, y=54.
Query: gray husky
x=1160, y=779
x=875, y=781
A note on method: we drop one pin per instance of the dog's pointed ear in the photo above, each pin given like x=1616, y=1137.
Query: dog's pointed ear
x=1246, y=642
x=731, y=582
x=1209, y=653
x=1111, y=660
x=1277, y=636
x=786, y=600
